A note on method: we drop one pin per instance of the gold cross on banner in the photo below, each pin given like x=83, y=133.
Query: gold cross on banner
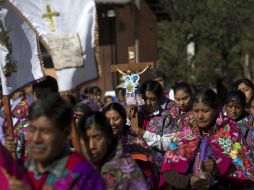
x=50, y=16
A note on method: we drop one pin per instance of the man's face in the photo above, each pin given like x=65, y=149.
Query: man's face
x=45, y=140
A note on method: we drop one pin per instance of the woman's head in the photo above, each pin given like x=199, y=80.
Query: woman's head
x=246, y=86
x=235, y=103
x=152, y=93
x=116, y=115
x=97, y=134
x=183, y=95
x=206, y=107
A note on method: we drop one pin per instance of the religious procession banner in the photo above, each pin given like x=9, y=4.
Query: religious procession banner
x=19, y=56
x=68, y=29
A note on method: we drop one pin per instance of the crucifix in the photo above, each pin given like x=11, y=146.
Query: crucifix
x=131, y=74
x=50, y=16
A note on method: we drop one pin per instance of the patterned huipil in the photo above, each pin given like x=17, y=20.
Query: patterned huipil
x=159, y=123
x=169, y=106
x=244, y=123
x=224, y=145
x=122, y=172
x=20, y=125
x=69, y=172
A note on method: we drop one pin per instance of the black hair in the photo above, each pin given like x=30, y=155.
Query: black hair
x=186, y=87
x=121, y=91
x=157, y=73
x=97, y=120
x=86, y=90
x=118, y=108
x=83, y=108
x=152, y=86
x=94, y=90
x=208, y=97
x=245, y=81
x=54, y=108
x=45, y=87
x=236, y=96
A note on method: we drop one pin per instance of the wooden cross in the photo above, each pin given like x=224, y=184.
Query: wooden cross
x=132, y=68
x=132, y=65
x=50, y=16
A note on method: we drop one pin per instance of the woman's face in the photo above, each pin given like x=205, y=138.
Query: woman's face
x=152, y=102
x=183, y=100
x=97, y=144
x=204, y=115
x=246, y=90
x=116, y=121
x=234, y=110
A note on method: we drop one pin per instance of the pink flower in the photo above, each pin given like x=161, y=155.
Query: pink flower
x=175, y=158
x=187, y=131
x=169, y=154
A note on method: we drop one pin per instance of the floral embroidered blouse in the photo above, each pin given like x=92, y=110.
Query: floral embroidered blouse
x=226, y=148
x=20, y=125
x=122, y=172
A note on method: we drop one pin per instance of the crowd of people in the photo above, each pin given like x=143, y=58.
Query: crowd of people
x=188, y=137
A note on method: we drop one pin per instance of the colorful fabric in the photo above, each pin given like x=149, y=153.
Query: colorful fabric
x=160, y=123
x=226, y=147
x=20, y=125
x=122, y=172
x=169, y=106
x=94, y=105
x=10, y=168
x=76, y=174
x=244, y=123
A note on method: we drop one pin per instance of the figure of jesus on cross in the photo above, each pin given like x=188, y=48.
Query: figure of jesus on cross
x=131, y=74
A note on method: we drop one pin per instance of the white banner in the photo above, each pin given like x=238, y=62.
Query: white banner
x=19, y=58
x=54, y=17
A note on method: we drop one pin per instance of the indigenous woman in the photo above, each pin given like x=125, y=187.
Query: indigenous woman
x=234, y=108
x=153, y=133
x=119, y=170
x=247, y=87
x=183, y=98
x=208, y=152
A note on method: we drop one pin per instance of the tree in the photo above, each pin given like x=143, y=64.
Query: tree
x=223, y=32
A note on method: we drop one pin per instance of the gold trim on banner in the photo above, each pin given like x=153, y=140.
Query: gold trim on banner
x=97, y=47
